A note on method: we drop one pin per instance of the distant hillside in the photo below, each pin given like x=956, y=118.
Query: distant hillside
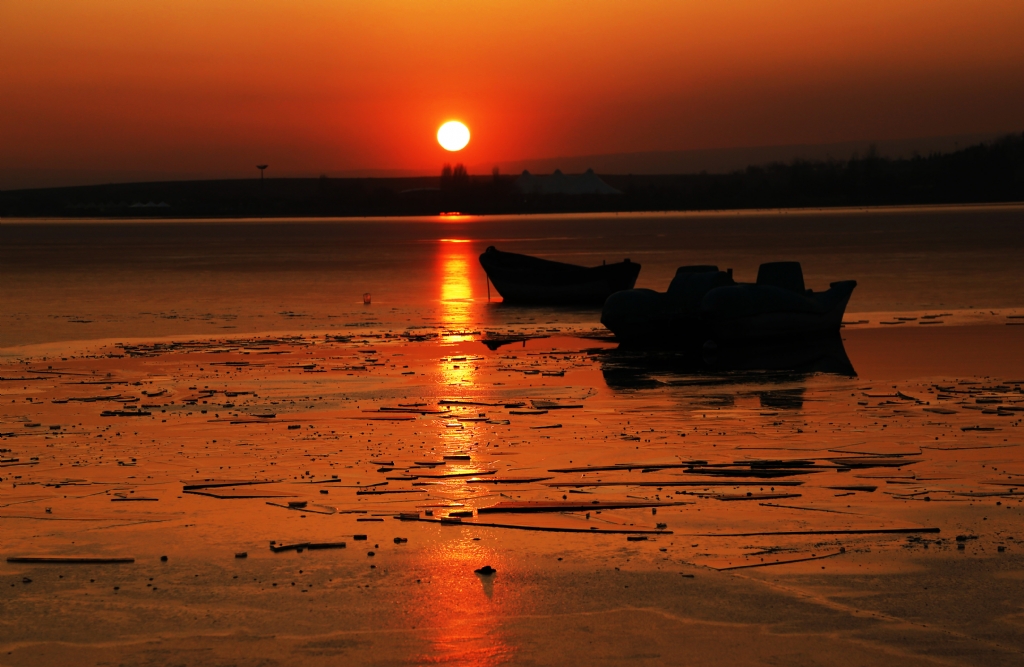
x=986, y=172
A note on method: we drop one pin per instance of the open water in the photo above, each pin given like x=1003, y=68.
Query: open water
x=94, y=279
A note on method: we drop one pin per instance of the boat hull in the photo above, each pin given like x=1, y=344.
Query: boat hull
x=813, y=315
x=733, y=313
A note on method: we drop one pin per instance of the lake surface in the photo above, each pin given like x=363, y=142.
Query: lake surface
x=612, y=492
x=91, y=279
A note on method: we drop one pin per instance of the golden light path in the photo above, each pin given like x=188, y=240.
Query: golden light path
x=456, y=262
x=456, y=371
x=465, y=610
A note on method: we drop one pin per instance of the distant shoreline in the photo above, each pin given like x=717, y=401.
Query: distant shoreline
x=987, y=173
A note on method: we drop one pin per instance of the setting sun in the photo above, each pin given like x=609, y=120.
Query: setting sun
x=453, y=136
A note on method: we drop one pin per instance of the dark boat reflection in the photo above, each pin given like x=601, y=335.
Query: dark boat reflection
x=627, y=368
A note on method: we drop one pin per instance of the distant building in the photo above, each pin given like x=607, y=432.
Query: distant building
x=587, y=183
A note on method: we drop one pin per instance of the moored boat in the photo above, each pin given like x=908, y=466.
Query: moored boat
x=531, y=280
x=703, y=303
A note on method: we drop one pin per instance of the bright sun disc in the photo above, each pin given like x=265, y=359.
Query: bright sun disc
x=453, y=136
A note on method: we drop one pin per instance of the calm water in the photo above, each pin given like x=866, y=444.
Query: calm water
x=70, y=280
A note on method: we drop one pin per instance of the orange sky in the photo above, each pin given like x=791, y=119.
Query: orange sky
x=210, y=87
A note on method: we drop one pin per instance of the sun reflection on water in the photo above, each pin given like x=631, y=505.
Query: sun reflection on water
x=456, y=262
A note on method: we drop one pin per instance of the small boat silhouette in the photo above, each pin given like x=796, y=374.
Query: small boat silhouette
x=524, y=279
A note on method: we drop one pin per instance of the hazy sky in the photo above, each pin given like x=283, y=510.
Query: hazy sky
x=211, y=87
